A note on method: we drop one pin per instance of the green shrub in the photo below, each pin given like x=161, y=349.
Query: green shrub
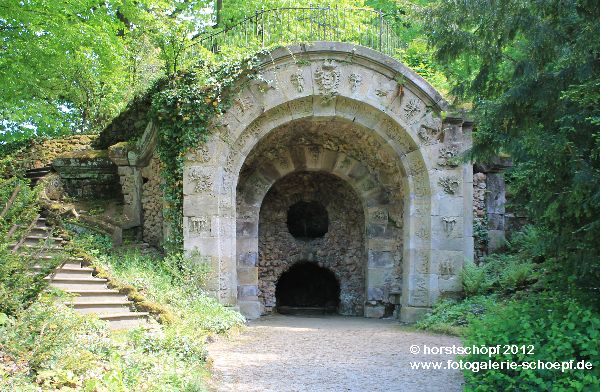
x=54, y=346
x=474, y=280
x=559, y=328
x=452, y=316
x=19, y=284
x=49, y=347
x=174, y=281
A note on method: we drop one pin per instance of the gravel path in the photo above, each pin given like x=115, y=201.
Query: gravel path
x=328, y=353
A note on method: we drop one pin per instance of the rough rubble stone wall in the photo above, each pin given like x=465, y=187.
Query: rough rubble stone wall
x=479, y=215
x=341, y=249
x=152, y=203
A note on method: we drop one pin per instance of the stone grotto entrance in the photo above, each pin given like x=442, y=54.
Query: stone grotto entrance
x=307, y=287
x=311, y=248
x=341, y=157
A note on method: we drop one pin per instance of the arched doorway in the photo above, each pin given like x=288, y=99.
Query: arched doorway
x=306, y=286
x=364, y=118
x=314, y=217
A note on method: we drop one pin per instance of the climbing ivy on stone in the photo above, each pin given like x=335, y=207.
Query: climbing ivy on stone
x=183, y=112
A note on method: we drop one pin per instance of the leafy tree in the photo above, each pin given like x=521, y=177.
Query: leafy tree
x=69, y=65
x=532, y=71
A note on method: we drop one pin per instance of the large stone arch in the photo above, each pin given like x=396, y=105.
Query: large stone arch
x=385, y=104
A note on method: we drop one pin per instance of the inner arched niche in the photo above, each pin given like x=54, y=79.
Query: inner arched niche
x=339, y=150
x=341, y=249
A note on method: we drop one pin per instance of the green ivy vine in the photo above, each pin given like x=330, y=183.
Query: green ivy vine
x=183, y=112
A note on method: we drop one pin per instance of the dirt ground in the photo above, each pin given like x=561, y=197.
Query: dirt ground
x=328, y=353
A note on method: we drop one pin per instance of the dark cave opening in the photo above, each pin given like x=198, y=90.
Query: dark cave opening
x=307, y=220
x=307, y=285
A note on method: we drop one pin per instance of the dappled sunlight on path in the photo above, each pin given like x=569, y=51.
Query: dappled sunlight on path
x=328, y=353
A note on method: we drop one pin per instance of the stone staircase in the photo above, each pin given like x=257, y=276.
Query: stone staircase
x=34, y=175
x=91, y=294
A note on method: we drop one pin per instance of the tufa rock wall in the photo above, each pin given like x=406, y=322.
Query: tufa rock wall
x=341, y=249
x=152, y=203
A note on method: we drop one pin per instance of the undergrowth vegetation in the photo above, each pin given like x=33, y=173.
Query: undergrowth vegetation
x=508, y=301
x=174, y=281
x=19, y=284
x=45, y=345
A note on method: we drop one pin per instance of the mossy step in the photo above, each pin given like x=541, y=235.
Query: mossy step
x=77, y=280
x=102, y=308
x=124, y=316
x=41, y=247
x=67, y=269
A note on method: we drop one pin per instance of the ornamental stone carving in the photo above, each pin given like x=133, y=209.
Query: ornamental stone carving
x=422, y=261
x=355, y=81
x=263, y=84
x=449, y=184
x=411, y=109
x=381, y=93
x=448, y=224
x=297, y=80
x=327, y=77
x=199, y=224
x=243, y=104
x=428, y=135
x=203, y=182
x=446, y=269
x=448, y=156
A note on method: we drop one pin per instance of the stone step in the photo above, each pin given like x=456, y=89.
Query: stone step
x=45, y=169
x=108, y=295
x=126, y=320
x=70, y=272
x=102, y=307
x=42, y=240
x=68, y=262
x=41, y=230
x=69, y=284
x=45, y=247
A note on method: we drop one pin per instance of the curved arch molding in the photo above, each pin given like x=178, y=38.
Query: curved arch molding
x=381, y=99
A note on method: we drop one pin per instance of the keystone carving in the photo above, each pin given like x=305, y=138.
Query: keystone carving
x=327, y=78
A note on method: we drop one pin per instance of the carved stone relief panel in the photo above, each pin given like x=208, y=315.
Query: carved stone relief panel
x=412, y=109
x=355, y=80
x=201, y=181
x=422, y=261
x=448, y=223
x=421, y=184
x=301, y=107
x=297, y=80
x=449, y=184
x=398, y=135
x=448, y=155
x=327, y=78
x=199, y=225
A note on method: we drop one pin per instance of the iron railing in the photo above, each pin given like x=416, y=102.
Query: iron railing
x=289, y=25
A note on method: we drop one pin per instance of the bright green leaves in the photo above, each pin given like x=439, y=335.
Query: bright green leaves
x=182, y=111
x=531, y=71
